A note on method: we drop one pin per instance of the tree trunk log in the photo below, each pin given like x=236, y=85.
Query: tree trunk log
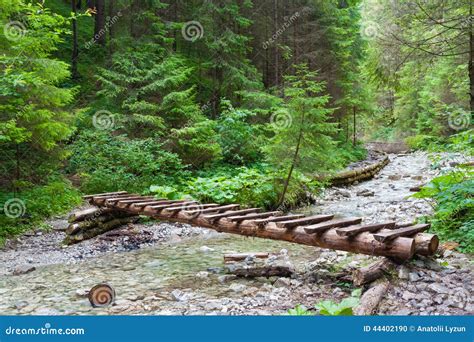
x=371, y=299
x=426, y=244
x=88, y=213
x=372, y=272
x=265, y=271
x=243, y=256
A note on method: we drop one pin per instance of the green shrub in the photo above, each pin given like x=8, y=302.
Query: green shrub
x=35, y=204
x=197, y=145
x=108, y=163
x=344, y=308
x=421, y=142
x=238, y=138
x=453, y=219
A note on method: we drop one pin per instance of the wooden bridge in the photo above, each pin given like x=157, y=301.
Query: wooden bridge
x=397, y=241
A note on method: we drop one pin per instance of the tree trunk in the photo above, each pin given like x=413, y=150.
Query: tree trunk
x=99, y=25
x=75, y=50
x=371, y=299
x=354, y=118
x=295, y=157
x=372, y=272
x=111, y=11
x=471, y=62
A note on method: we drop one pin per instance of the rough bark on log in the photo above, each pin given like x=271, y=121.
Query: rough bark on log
x=372, y=272
x=401, y=248
x=350, y=176
x=426, y=244
x=101, y=228
x=243, y=256
x=88, y=213
x=371, y=299
x=265, y=271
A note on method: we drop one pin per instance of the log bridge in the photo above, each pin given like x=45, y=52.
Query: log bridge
x=397, y=241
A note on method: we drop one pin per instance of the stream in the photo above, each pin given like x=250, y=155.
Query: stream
x=180, y=271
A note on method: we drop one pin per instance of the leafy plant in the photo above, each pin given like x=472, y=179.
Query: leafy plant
x=299, y=310
x=344, y=308
x=453, y=194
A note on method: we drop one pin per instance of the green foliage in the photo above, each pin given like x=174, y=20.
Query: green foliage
x=453, y=194
x=344, y=308
x=299, y=310
x=421, y=142
x=40, y=202
x=34, y=120
x=197, y=145
x=237, y=136
x=106, y=162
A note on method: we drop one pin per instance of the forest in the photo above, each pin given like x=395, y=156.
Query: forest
x=226, y=100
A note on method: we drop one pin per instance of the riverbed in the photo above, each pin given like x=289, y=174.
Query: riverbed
x=179, y=269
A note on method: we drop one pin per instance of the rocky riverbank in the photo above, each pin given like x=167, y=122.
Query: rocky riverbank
x=161, y=268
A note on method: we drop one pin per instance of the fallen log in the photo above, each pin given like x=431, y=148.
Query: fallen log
x=371, y=299
x=372, y=272
x=88, y=213
x=264, y=271
x=99, y=229
x=401, y=248
x=243, y=256
x=426, y=244
x=350, y=176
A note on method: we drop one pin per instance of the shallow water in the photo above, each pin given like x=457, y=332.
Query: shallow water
x=153, y=271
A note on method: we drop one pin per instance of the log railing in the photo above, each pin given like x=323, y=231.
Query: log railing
x=347, y=234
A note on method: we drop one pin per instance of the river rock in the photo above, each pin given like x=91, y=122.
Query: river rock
x=282, y=282
x=82, y=293
x=206, y=249
x=403, y=272
x=413, y=276
x=237, y=287
x=179, y=295
x=23, y=269
x=226, y=278
x=366, y=193
x=438, y=288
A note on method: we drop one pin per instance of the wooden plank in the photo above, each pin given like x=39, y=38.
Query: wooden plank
x=104, y=194
x=357, y=229
x=231, y=213
x=240, y=218
x=217, y=209
x=114, y=200
x=303, y=221
x=408, y=231
x=156, y=202
x=262, y=222
x=101, y=199
x=243, y=256
x=322, y=227
x=170, y=205
x=195, y=207
x=126, y=203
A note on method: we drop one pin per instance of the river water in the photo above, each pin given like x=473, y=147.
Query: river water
x=187, y=276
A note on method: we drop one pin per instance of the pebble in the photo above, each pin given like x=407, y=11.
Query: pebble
x=206, y=249
x=23, y=269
